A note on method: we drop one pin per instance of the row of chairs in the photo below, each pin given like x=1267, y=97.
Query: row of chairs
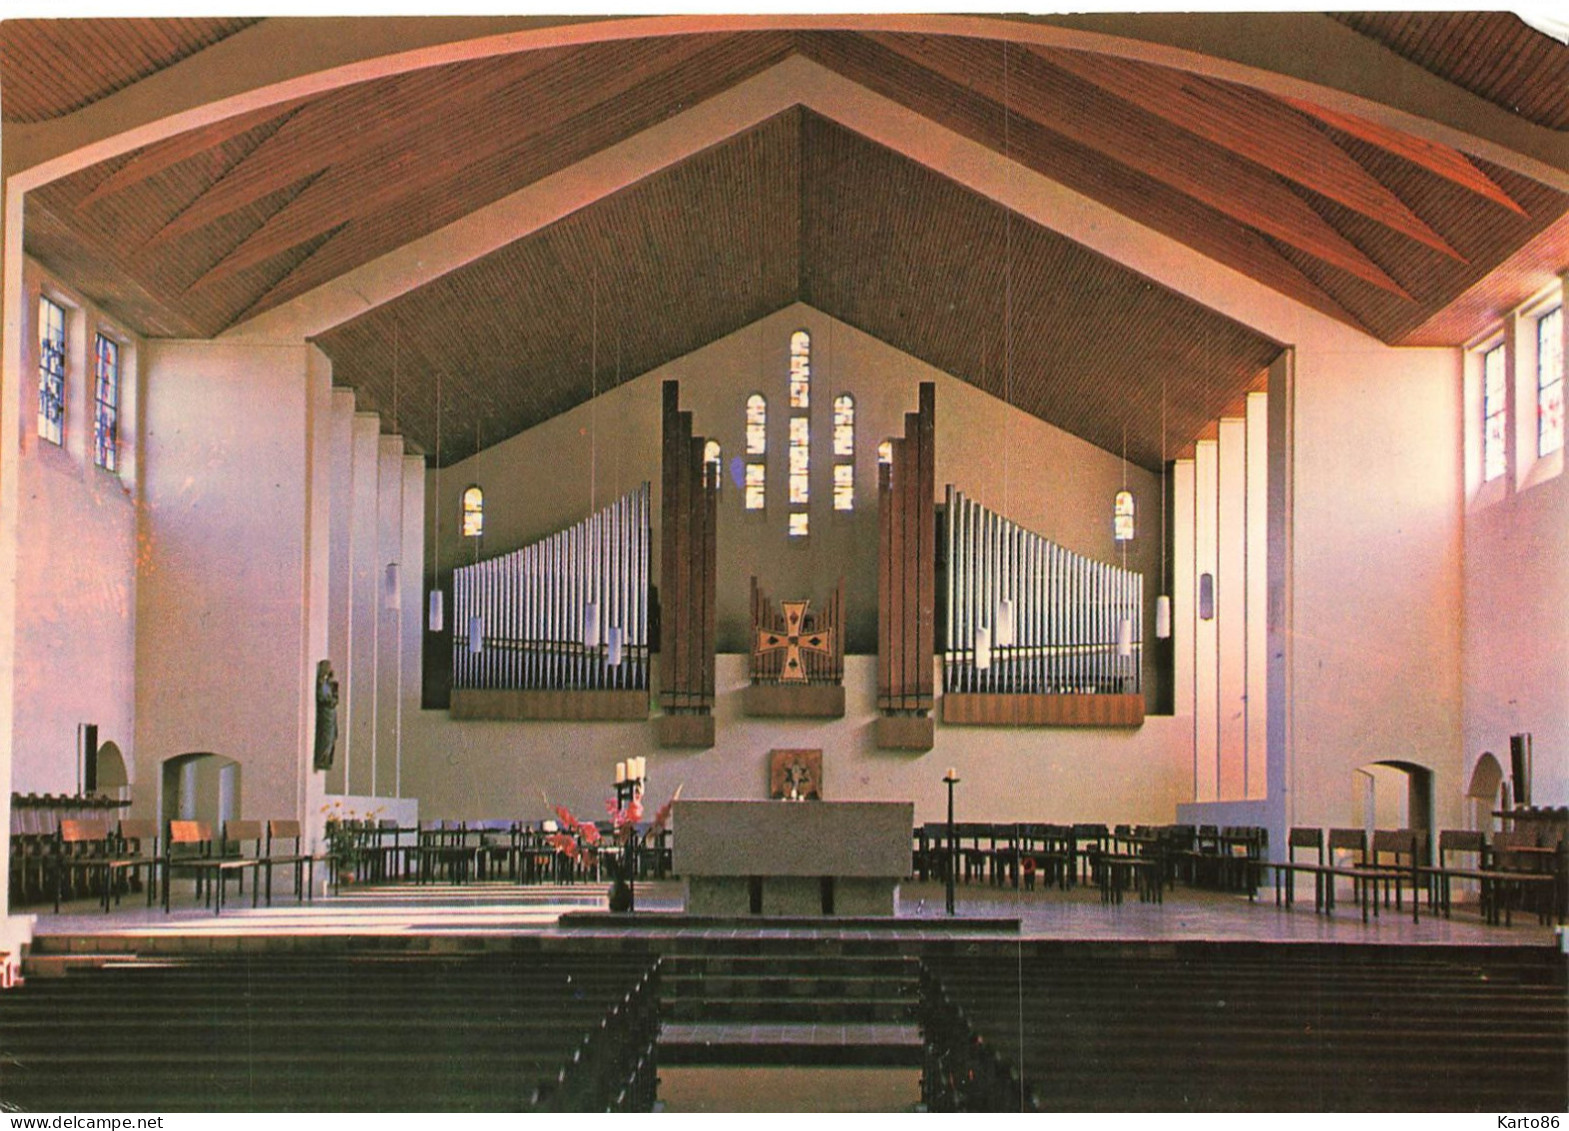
x=92, y=858
x=1145, y=858
x=1515, y=870
x=458, y=852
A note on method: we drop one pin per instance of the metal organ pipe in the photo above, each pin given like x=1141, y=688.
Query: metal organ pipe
x=1026, y=615
x=568, y=611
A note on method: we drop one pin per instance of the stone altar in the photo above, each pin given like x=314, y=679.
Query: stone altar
x=792, y=858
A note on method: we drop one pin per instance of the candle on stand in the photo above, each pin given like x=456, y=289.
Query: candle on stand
x=621, y=772
x=953, y=774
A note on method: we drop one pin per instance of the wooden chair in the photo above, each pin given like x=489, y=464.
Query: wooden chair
x=1350, y=845
x=187, y=847
x=1525, y=874
x=1396, y=861
x=1286, y=870
x=234, y=859
x=1454, y=846
x=134, y=851
x=82, y=849
x=292, y=854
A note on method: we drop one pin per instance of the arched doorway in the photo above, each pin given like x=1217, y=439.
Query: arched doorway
x=1395, y=794
x=200, y=787
x=1483, y=794
x=112, y=776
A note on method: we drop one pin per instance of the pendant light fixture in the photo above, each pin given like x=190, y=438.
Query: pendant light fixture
x=476, y=622
x=1123, y=532
x=392, y=584
x=1163, y=602
x=437, y=617
x=590, y=604
x=1002, y=633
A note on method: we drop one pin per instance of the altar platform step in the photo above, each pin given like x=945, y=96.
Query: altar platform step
x=811, y=1001
x=800, y=1044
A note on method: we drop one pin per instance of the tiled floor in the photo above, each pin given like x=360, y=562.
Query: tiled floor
x=503, y=909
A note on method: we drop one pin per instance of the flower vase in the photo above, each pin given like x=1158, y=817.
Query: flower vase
x=620, y=895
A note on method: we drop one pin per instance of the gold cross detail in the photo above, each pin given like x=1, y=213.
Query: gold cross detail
x=791, y=640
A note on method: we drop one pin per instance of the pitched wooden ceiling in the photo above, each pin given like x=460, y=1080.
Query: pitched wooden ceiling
x=192, y=235
x=53, y=67
x=1495, y=55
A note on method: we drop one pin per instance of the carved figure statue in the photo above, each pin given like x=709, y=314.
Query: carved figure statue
x=326, y=715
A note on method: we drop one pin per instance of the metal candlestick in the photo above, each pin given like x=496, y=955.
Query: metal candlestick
x=951, y=780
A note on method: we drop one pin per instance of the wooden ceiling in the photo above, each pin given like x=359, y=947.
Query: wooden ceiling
x=1495, y=55
x=1381, y=230
x=53, y=67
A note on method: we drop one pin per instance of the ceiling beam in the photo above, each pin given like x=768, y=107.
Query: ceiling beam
x=507, y=123
x=1448, y=163
x=1056, y=100
x=1253, y=127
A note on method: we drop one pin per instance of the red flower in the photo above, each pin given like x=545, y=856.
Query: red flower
x=590, y=833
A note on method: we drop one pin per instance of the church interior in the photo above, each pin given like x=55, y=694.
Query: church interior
x=1081, y=459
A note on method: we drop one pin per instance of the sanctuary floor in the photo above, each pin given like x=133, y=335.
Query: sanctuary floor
x=503, y=910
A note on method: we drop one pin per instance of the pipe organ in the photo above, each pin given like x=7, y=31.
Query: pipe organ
x=567, y=613
x=689, y=574
x=1033, y=632
x=906, y=581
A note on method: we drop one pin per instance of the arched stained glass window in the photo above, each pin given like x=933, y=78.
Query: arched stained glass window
x=473, y=513
x=844, y=425
x=800, y=369
x=106, y=399
x=756, y=425
x=800, y=460
x=756, y=448
x=844, y=486
x=1122, y=517
x=1550, y=382
x=51, y=371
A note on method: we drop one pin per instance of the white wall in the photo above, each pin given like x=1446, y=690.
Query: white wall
x=222, y=585
x=1517, y=634
x=76, y=574
x=487, y=770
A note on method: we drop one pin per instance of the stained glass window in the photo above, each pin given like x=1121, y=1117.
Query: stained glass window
x=799, y=524
x=1550, y=382
x=106, y=397
x=844, y=425
x=844, y=486
x=51, y=371
x=473, y=513
x=756, y=425
x=756, y=478
x=1493, y=414
x=800, y=369
x=800, y=460
x=1122, y=517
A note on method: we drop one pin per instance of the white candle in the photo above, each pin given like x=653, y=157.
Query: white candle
x=642, y=768
x=953, y=774
x=621, y=772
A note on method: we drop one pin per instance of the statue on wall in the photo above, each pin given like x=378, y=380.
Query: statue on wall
x=326, y=715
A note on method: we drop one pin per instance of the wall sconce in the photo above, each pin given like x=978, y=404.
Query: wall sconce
x=1206, y=596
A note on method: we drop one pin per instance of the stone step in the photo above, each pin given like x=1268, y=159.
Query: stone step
x=822, y=1044
x=786, y=985
x=814, y=966
x=775, y=1010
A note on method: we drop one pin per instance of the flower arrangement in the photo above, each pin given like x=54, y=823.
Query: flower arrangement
x=348, y=836
x=582, y=841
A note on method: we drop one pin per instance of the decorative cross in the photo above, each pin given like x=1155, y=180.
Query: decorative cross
x=793, y=642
